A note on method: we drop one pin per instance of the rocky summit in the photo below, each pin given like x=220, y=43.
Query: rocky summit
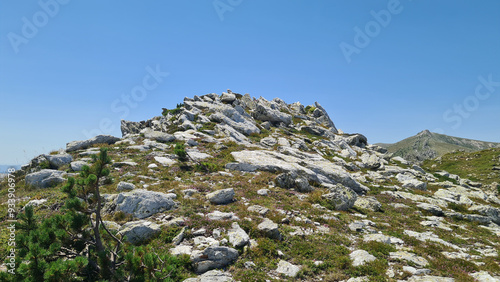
x=235, y=188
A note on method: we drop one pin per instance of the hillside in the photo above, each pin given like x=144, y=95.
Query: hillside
x=428, y=145
x=233, y=188
x=482, y=166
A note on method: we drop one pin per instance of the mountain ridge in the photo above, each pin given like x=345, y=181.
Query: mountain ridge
x=428, y=145
x=234, y=188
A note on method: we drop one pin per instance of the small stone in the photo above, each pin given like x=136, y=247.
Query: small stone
x=360, y=257
x=221, y=197
x=125, y=186
x=287, y=268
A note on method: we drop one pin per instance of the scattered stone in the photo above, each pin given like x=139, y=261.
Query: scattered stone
x=342, y=198
x=159, y=136
x=360, y=257
x=413, y=258
x=99, y=139
x=287, y=268
x=270, y=229
x=213, y=257
x=164, y=161
x=212, y=276
x=35, y=203
x=57, y=161
x=181, y=250
x=78, y=165
x=237, y=236
x=415, y=271
x=142, y=203
x=433, y=209
x=179, y=237
x=428, y=278
x=217, y=215
x=483, y=276
x=258, y=209
x=45, y=178
x=263, y=192
x=221, y=197
x=382, y=238
x=139, y=231
x=125, y=186
x=368, y=203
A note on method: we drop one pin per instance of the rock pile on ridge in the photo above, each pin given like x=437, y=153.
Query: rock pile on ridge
x=265, y=183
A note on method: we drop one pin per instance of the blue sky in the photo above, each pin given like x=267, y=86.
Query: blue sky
x=387, y=69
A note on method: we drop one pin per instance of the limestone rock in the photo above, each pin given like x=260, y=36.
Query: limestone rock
x=158, y=136
x=78, y=165
x=227, y=98
x=428, y=278
x=382, y=238
x=212, y=276
x=264, y=113
x=237, y=236
x=213, y=257
x=360, y=257
x=287, y=268
x=57, y=161
x=342, y=198
x=139, y=231
x=125, y=186
x=270, y=229
x=368, y=203
x=221, y=197
x=99, y=139
x=45, y=178
x=413, y=258
x=142, y=203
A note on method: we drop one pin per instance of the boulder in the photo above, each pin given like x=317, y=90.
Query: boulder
x=99, y=139
x=264, y=113
x=489, y=211
x=142, y=203
x=290, y=160
x=270, y=229
x=360, y=257
x=433, y=209
x=237, y=236
x=227, y=98
x=125, y=186
x=212, y=276
x=368, y=203
x=131, y=127
x=139, y=231
x=370, y=161
x=221, y=197
x=342, y=198
x=57, y=161
x=287, y=268
x=268, y=141
x=158, y=136
x=45, y=178
x=410, y=257
x=213, y=257
x=78, y=165
x=218, y=215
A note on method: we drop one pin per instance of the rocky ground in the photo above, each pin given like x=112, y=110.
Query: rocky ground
x=273, y=191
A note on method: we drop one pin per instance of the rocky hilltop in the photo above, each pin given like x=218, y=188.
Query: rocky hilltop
x=248, y=189
x=429, y=145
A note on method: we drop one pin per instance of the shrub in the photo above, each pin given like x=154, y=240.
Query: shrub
x=180, y=151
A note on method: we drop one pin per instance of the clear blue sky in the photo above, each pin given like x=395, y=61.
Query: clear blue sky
x=69, y=66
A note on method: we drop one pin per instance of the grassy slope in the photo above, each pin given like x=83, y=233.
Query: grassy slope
x=476, y=166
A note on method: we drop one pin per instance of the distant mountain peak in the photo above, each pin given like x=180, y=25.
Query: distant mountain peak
x=428, y=145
